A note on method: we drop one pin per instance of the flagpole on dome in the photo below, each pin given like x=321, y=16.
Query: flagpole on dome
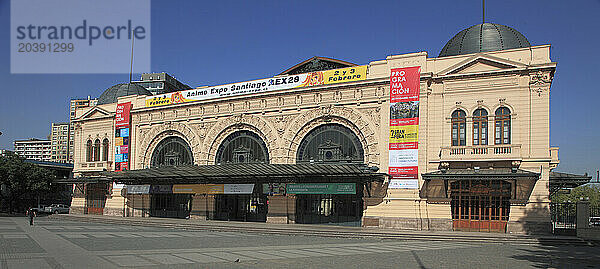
x=131, y=61
x=483, y=12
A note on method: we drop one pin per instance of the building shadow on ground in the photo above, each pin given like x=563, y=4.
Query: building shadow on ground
x=559, y=255
x=551, y=254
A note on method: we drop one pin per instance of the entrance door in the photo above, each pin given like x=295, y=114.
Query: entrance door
x=338, y=209
x=241, y=207
x=95, y=198
x=480, y=205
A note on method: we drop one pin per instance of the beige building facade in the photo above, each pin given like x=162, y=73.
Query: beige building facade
x=74, y=105
x=484, y=154
x=60, y=142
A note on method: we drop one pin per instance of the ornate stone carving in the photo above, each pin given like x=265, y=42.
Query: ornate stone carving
x=540, y=78
x=148, y=139
x=373, y=114
x=539, y=81
x=226, y=126
x=280, y=123
x=360, y=124
x=316, y=64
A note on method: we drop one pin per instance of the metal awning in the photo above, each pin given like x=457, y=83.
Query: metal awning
x=482, y=174
x=560, y=180
x=437, y=183
x=96, y=179
x=249, y=173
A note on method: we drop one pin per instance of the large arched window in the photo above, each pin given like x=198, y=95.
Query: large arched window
x=459, y=125
x=502, y=125
x=242, y=147
x=96, y=150
x=330, y=143
x=172, y=151
x=480, y=127
x=105, y=149
x=88, y=151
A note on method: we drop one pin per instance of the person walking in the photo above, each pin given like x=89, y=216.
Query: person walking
x=31, y=215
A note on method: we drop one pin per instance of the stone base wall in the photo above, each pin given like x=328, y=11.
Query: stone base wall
x=407, y=223
x=592, y=233
x=529, y=227
x=110, y=211
x=198, y=217
x=77, y=210
x=278, y=220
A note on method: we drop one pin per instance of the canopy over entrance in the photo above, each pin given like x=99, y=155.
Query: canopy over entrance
x=248, y=173
x=559, y=180
x=437, y=184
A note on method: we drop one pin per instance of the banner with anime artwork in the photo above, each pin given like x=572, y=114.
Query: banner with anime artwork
x=404, y=128
x=355, y=73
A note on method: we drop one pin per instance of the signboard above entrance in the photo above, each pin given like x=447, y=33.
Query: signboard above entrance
x=321, y=188
x=214, y=188
x=355, y=73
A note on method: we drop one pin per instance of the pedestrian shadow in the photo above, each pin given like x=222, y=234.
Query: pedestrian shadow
x=418, y=260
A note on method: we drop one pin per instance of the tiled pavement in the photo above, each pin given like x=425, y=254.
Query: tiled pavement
x=53, y=243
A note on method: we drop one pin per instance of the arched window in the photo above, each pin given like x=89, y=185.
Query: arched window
x=172, y=151
x=502, y=125
x=96, y=150
x=480, y=127
x=242, y=147
x=459, y=124
x=105, y=149
x=88, y=151
x=330, y=143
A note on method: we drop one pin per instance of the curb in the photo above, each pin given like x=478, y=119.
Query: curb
x=336, y=233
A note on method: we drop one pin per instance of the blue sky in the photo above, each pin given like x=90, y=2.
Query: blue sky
x=217, y=42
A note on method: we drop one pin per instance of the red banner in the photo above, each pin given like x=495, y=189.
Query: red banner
x=404, y=127
x=122, y=128
x=122, y=116
x=405, y=84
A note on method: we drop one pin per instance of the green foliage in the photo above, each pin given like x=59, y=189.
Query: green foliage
x=588, y=191
x=20, y=178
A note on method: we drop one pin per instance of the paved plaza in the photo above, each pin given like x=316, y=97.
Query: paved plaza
x=56, y=243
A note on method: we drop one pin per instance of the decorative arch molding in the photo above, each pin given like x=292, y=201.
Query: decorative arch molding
x=229, y=125
x=478, y=106
x=150, y=138
x=457, y=107
x=348, y=117
x=502, y=104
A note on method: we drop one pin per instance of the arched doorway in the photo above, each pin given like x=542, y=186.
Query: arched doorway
x=242, y=147
x=480, y=205
x=171, y=151
x=330, y=144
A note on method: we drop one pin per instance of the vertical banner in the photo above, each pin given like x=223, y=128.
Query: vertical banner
x=122, y=125
x=404, y=128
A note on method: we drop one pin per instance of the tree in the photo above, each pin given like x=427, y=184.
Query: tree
x=589, y=192
x=21, y=181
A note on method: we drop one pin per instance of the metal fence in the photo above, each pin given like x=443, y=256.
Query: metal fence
x=595, y=216
x=564, y=218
